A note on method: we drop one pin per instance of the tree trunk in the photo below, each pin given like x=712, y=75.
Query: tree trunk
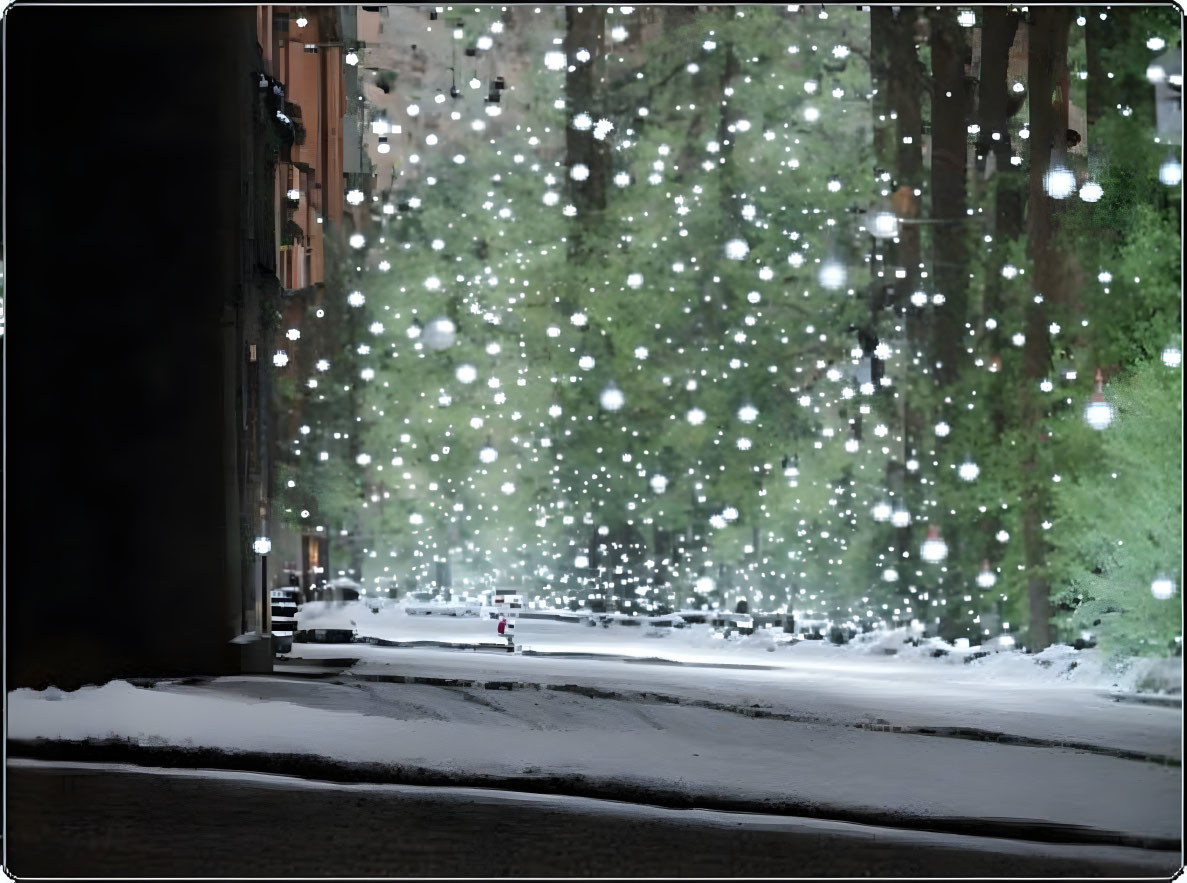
x=1048, y=125
x=901, y=76
x=997, y=37
x=1099, y=92
x=948, y=169
x=585, y=29
x=906, y=78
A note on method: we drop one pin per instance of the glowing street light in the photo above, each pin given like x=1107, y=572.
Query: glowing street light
x=1091, y=192
x=882, y=224
x=1059, y=182
x=934, y=548
x=1162, y=587
x=1098, y=413
x=832, y=275
x=1170, y=172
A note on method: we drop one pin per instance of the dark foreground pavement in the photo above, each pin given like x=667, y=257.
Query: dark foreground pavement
x=76, y=820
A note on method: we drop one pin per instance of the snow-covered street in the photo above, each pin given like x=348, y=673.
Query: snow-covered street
x=1061, y=695
x=806, y=729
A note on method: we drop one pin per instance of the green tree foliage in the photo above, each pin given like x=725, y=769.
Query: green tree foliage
x=1118, y=522
x=664, y=401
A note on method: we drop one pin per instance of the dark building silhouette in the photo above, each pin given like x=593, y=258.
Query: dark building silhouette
x=133, y=291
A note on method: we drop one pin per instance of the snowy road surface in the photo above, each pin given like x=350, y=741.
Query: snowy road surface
x=1060, y=696
x=870, y=692
x=657, y=751
x=84, y=820
x=805, y=730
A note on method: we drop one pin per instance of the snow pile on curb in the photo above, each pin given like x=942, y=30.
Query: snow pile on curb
x=1059, y=662
x=992, y=661
x=327, y=615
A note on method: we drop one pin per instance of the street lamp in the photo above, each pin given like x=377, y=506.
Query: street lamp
x=1059, y=182
x=1091, y=192
x=262, y=546
x=1170, y=172
x=934, y=548
x=1098, y=413
x=832, y=275
x=882, y=224
x=1162, y=587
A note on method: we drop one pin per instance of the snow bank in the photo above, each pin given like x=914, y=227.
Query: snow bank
x=890, y=649
x=330, y=615
x=1057, y=663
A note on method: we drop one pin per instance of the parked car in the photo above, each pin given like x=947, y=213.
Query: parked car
x=464, y=608
x=376, y=602
x=813, y=629
x=663, y=625
x=343, y=589
x=425, y=603
x=722, y=621
x=730, y=623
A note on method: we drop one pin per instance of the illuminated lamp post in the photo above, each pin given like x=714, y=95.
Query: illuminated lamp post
x=934, y=548
x=1098, y=413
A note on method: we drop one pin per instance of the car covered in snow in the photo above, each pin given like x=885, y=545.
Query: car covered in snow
x=605, y=620
x=433, y=603
x=422, y=603
x=659, y=625
x=375, y=603
x=461, y=608
x=734, y=623
x=722, y=622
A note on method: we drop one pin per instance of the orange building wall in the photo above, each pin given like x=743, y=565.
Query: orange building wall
x=316, y=83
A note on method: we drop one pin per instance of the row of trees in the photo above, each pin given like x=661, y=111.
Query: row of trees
x=748, y=303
